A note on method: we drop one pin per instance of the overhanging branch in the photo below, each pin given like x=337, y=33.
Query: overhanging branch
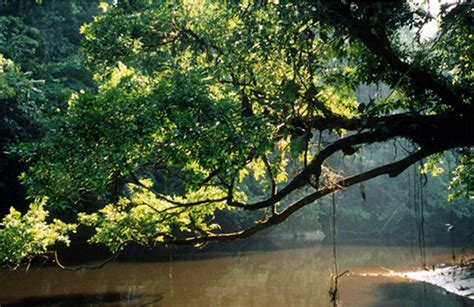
x=377, y=41
x=392, y=169
x=434, y=132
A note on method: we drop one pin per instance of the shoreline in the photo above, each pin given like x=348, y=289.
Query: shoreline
x=455, y=279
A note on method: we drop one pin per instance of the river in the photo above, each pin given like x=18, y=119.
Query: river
x=292, y=277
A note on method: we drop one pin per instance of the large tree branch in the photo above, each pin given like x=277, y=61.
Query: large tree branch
x=434, y=132
x=392, y=169
x=377, y=41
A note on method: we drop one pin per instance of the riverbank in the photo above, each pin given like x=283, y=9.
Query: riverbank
x=457, y=279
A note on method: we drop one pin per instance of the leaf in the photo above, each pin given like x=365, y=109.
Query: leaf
x=297, y=145
x=290, y=91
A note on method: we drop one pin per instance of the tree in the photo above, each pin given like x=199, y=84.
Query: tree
x=196, y=96
x=39, y=55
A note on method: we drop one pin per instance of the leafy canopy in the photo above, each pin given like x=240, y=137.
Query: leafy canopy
x=196, y=96
x=25, y=236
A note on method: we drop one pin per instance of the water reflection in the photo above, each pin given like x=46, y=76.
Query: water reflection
x=297, y=277
x=418, y=294
x=86, y=299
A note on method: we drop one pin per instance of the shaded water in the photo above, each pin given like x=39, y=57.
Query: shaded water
x=296, y=277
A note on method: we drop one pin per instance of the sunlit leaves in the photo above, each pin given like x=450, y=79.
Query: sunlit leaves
x=25, y=236
x=217, y=97
x=143, y=218
x=137, y=120
x=433, y=166
x=462, y=184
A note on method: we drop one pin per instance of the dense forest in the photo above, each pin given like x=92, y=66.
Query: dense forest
x=164, y=123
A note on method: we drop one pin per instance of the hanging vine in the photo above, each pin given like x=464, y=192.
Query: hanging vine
x=333, y=290
x=419, y=180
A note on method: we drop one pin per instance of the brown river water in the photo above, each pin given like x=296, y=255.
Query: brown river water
x=293, y=277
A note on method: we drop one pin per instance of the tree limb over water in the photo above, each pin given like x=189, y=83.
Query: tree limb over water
x=197, y=102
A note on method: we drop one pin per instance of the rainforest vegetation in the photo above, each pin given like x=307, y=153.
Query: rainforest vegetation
x=185, y=122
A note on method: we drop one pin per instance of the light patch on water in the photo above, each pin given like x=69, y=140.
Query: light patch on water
x=457, y=280
x=454, y=279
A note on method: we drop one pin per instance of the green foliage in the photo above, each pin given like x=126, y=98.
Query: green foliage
x=433, y=166
x=18, y=40
x=143, y=218
x=43, y=39
x=222, y=98
x=18, y=111
x=168, y=98
x=39, y=68
x=135, y=121
x=462, y=184
x=24, y=236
